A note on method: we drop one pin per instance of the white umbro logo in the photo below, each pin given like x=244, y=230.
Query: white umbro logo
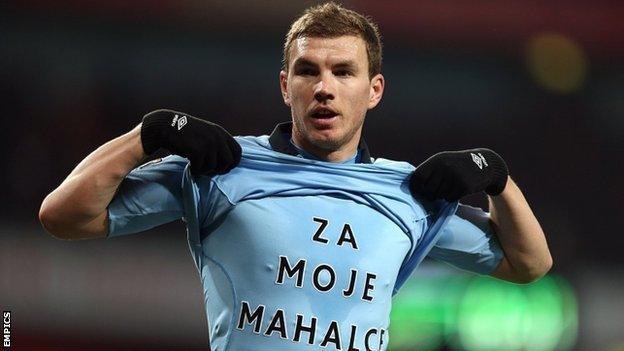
x=181, y=121
x=479, y=160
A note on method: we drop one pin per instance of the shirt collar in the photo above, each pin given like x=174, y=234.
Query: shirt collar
x=280, y=142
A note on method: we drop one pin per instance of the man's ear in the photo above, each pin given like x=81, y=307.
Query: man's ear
x=376, y=90
x=283, y=78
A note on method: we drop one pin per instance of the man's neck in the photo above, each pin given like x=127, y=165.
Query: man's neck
x=340, y=155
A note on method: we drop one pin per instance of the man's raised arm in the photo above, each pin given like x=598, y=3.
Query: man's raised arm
x=77, y=209
x=451, y=175
x=527, y=257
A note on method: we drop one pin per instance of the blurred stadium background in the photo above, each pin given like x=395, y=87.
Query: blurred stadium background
x=541, y=82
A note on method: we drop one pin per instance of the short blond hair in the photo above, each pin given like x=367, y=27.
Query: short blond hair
x=331, y=20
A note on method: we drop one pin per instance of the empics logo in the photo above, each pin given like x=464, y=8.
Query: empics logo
x=6, y=329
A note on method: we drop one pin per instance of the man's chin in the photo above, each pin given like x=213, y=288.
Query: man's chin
x=325, y=141
x=329, y=137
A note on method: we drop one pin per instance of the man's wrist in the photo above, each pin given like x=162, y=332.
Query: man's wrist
x=499, y=173
x=505, y=187
x=153, y=130
x=136, y=150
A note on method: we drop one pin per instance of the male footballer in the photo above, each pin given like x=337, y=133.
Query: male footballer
x=301, y=237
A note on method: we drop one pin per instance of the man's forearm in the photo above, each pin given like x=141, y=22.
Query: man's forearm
x=527, y=257
x=77, y=208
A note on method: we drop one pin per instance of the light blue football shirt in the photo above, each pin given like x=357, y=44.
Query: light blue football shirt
x=301, y=254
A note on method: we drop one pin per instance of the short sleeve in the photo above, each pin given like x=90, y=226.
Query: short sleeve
x=468, y=242
x=149, y=196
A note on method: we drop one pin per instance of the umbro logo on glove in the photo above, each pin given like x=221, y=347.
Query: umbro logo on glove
x=180, y=121
x=479, y=160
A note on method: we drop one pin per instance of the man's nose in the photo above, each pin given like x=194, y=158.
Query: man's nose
x=324, y=89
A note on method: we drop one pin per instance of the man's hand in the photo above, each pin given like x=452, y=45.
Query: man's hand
x=451, y=175
x=210, y=148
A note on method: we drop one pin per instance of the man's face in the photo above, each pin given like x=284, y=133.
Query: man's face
x=328, y=90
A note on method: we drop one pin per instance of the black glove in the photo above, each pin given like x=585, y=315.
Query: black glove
x=451, y=175
x=210, y=148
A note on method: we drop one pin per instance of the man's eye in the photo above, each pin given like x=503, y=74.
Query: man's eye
x=343, y=73
x=306, y=72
